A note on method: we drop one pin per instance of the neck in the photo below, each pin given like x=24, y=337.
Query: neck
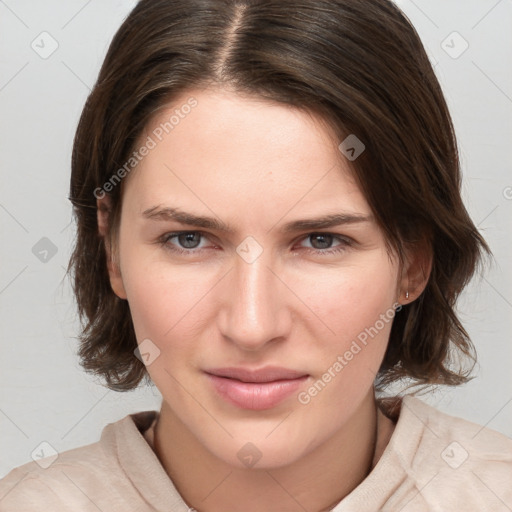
x=317, y=481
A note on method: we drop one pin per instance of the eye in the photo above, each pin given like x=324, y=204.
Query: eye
x=322, y=243
x=188, y=241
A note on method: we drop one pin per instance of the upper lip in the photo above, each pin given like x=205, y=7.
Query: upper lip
x=266, y=374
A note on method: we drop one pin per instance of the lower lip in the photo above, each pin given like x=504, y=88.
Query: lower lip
x=256, y=396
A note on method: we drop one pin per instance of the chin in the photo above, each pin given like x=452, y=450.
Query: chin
x=261, y=448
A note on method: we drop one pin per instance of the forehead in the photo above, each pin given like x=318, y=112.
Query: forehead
x=238, y=149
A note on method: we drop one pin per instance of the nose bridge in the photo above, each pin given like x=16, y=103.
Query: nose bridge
x=255, y=311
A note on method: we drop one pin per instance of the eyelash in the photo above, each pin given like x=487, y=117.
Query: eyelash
x=164, y=242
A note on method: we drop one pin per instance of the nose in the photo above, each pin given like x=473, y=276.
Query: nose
x=255, y=311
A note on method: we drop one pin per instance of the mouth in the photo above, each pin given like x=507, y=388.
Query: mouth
x=257, y=389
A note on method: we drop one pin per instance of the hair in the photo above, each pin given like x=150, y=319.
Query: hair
x=362, y=68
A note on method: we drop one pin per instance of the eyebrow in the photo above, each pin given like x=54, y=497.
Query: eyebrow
x=160, y=213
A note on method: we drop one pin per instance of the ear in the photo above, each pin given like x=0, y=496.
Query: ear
x=416, y=271
x=104, y=206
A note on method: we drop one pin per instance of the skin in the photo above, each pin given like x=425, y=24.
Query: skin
x=258, y=165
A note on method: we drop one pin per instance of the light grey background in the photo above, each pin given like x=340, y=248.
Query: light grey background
x=44, y=395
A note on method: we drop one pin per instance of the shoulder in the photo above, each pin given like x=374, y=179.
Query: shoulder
x=79, y=477
x=470, y=440
x=455, y=463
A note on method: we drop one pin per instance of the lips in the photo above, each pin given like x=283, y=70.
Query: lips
x=267, y=374
x=255, y=389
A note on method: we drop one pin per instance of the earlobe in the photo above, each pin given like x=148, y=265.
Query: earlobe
x=103, y=216
x=416, y=273
x=116, y=282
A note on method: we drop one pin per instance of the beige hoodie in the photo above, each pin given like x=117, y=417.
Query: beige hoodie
x=433, y=462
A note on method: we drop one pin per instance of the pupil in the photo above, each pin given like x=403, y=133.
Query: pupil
x=325, y=240
x=187, y=240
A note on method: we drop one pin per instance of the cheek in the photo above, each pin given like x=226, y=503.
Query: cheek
x=356, y=309
x=350, y=299
x=165, y=301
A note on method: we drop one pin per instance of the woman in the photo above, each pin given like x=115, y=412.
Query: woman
x=270, y=230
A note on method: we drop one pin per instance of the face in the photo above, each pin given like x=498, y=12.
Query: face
x=261, y=324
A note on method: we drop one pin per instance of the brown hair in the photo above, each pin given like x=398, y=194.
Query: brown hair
x=359, y=65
